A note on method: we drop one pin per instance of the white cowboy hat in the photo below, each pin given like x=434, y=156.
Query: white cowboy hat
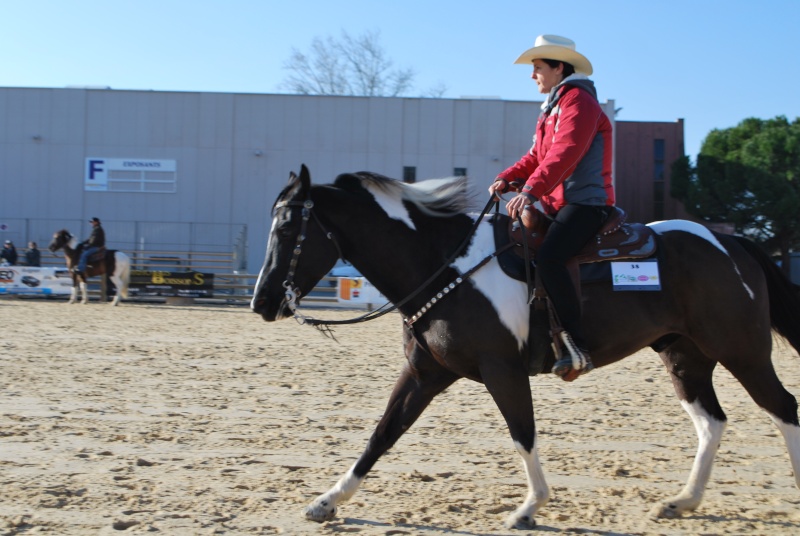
x=555, y=47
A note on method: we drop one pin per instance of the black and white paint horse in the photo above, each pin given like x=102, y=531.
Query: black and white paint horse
x=721, y=298
x=115, y=265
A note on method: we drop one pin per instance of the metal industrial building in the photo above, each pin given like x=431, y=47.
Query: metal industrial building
x=200, y=171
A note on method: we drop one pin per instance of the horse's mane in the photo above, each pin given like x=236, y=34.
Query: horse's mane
x=434, y=197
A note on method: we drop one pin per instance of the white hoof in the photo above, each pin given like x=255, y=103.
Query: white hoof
x=520, y=521
x=320, y=510
x=673, y=509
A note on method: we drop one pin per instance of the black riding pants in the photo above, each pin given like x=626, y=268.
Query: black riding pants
x=573, y=227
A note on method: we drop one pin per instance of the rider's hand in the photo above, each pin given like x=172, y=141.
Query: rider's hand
x=517, y=205
x=501, y=186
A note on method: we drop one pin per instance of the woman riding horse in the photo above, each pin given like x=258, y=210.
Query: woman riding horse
x=568, y=170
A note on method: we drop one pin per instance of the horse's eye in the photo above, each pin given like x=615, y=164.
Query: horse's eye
x=284, y=231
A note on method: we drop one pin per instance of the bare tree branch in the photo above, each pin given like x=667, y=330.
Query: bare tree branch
x=348, y=66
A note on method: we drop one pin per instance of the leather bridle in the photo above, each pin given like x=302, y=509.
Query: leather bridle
x=292, y=291
x=288, y=284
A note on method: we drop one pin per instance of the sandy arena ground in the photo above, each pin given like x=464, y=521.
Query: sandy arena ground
x=206, y=420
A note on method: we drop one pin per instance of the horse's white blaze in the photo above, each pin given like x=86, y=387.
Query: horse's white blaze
x=264, y=267
x=709, y=432
x=392, y=205
x=791, y=435
x=507, y=296
x=538, y=491
x=324, y=506
x=698, y=230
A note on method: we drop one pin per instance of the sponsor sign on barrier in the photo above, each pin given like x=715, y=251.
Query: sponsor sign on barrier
x=34, y=280
x=171, y=284
x=357, y=290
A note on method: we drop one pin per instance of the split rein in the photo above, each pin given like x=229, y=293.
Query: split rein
x=324, y=326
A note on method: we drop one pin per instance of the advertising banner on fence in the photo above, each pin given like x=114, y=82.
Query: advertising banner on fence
x=170, y=284
x=357, y=290
x=34, y=280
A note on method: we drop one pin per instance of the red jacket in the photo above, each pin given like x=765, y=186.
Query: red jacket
x=570, y=160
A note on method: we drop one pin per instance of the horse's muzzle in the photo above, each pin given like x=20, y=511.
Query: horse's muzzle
x=261, y=306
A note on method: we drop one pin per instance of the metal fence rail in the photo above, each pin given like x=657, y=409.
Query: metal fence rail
x=229, y=286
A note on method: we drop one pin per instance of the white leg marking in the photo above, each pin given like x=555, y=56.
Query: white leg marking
x=324, y=507
x=117, y=283
x=73, y=296
x=791, y=434
x=709, y=432
x=538, y=491
x=84, y=293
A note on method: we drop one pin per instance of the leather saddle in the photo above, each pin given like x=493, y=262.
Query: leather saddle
x=97, y=258
x=616, y=240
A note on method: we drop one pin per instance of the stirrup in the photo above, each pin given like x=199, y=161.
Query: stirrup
x=578, y=359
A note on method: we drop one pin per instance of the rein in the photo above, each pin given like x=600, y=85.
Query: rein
x=324, y=325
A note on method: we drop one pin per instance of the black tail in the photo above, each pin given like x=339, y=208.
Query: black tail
x=784, y=296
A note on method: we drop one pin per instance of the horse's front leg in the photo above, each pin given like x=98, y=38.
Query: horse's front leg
x=73, y=295
x=84, y=293
x=507, y=382
x=412, y=393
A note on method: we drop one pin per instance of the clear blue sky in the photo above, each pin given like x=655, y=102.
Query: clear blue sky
x=712, y=63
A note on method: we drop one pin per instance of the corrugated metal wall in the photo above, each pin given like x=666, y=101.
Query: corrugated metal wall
x=234, y=153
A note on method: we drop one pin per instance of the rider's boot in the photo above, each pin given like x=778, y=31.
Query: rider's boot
x=576, y=363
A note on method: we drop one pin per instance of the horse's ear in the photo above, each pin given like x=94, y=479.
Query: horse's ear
x=305, y=176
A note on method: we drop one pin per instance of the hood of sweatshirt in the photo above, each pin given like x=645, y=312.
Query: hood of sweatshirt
x=578, y=80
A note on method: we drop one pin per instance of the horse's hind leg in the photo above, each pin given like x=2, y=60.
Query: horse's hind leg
x=758, y=377
x=412, y=393
x=84, y=293
x=691, y=373
x=117, y=281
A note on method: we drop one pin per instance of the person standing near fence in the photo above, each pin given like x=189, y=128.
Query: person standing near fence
x=9, y=253
x=33, y=257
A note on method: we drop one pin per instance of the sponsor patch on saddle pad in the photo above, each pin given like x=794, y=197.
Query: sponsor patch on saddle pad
x=635, y=275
